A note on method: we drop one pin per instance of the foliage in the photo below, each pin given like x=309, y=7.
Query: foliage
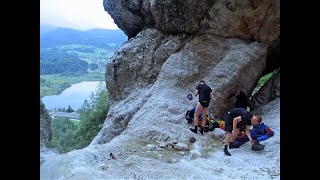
x=263, y=80
x=42, y=108
x=61, y=109
x=266, y=77
x=54, y=61
x=92, y=116
x=69, y=109
x=45, y=124
x=91, y=54
x=93, y=66
x=63, y=134
x=69, y=135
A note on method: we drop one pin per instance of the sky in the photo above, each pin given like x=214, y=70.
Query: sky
x=76, y=14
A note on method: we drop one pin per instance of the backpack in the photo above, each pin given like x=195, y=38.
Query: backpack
x=190, y=115
x=211, y=123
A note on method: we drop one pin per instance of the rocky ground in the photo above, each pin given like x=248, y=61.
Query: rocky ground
x=145, y=160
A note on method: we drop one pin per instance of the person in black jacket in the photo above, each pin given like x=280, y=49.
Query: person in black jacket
x=204, y=92
x=242, y=99
x=236, y=119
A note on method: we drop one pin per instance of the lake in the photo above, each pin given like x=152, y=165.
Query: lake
x=73, y=96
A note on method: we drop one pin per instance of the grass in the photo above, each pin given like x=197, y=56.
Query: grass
x=77, y=123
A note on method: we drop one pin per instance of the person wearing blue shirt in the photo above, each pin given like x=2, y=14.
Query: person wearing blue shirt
x=259, y=132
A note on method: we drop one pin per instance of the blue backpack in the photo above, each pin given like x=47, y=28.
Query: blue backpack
x=190, y=115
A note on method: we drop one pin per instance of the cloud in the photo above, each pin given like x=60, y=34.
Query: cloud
x=77, y=14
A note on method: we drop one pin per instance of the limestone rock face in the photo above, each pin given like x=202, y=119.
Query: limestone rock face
x=176, y=16
x=247, y=19
x=126, y=15
x=138, y=62
x=148, y=87
x=169, y=16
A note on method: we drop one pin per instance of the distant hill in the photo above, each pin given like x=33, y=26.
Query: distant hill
x=66, y=50
x=44, y=28
x=51, y=37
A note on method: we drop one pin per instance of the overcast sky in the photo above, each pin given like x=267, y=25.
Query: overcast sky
x=77, y=14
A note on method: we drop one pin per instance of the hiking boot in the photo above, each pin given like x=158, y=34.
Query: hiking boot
x=257, y=147
x=206, y=129
x=226, y=152
x=232, y=145
x=193, y=130
x=257, y=143
x=201, y=131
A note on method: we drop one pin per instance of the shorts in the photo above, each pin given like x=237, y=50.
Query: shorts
x=204, y=104
x=228, y=121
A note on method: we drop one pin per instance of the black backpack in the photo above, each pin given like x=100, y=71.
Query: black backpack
x=190, y=115
x=212, y=123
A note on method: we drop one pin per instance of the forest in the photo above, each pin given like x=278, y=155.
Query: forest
x=55, y=61
x=68, y=134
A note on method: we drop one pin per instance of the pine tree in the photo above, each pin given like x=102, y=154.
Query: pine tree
x=69, y=110
x=92, y=117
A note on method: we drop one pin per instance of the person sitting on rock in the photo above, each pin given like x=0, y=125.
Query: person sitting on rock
x=238, y=118
x=259, y=132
